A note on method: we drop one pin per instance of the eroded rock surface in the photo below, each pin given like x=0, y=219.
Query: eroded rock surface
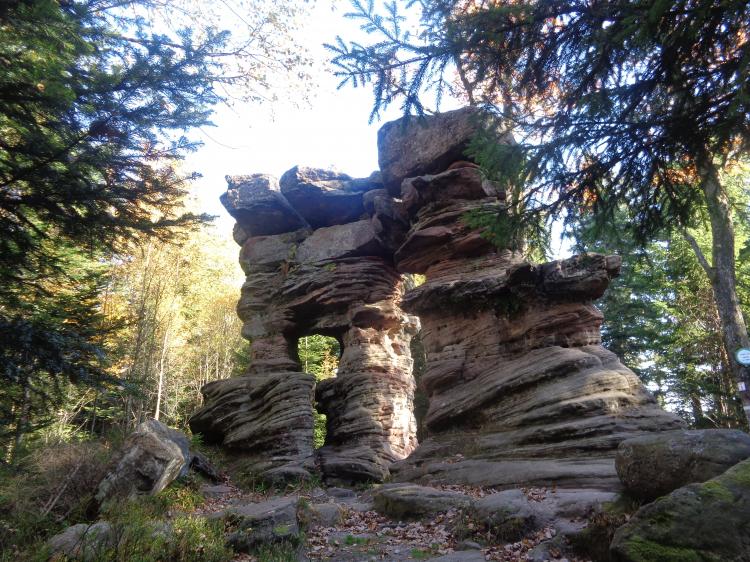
x=520, y=390
x=409, y=501
x=335, y=280
x=654, y=465
x=416, y=146
x=149, y=460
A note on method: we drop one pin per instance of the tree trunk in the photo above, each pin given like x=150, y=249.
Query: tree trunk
x=723, y=278
x=160, y=384
x=22, y=421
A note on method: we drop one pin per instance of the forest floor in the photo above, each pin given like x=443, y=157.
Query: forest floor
x=359, y=533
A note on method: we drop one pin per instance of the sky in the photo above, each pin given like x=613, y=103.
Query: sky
x=331, y=132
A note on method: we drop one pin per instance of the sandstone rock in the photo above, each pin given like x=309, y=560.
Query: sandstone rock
x=468, y=545
x=415, y=146
x=708, y=521
x=460, y=556
x=217, y=491
x=330, y=283
x=342, y=493
x=654, y=465
x=266, y=419
x=389, y=218
x=258, y=207
x=509, y=353
x=149, y=460
x=369, y=403
x=83, y=541
x=342, y=241
x=511, y=514
x=324, y=515
x=263, y=523
x=446, y=187
x=324, y=197
x=520, y=390
x=200, y=464
x=263, y=254
x=239, y=235
x=407, y=501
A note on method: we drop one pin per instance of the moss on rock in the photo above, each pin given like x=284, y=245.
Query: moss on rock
x=701, y=522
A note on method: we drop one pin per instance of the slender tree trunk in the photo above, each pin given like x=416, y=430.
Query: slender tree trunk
x=22, y=421
x=160, y=384
x=695, y=403
x=724, y=279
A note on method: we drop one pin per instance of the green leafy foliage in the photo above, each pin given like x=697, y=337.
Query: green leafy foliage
x=611, y=104
x=319, y=355
x=661, y=320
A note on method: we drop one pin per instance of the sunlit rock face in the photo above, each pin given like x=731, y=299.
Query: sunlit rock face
x=315, y=264
x=520, y=390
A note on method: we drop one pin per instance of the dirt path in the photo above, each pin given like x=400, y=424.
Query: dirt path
x=341, y=525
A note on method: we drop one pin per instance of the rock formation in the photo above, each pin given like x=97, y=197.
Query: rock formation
x=336, y=280
x=520, y=390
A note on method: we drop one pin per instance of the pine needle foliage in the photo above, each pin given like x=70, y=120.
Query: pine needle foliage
x=622, y=101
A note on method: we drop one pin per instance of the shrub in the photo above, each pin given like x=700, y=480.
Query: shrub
x=47, y=491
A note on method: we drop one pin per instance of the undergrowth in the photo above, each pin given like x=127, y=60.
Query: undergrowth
x=283, y=552
x=49, y=490
x=46, y=491
x=595, y=539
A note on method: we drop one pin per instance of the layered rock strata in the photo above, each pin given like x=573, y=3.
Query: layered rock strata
x=520, y=390
x=336, y=279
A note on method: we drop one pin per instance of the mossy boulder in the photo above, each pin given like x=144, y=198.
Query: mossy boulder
x=656, y=464
x=256, y=524
x=410, y=501
x=697, y=523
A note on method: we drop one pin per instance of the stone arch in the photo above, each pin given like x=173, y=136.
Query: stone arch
x=520, y=390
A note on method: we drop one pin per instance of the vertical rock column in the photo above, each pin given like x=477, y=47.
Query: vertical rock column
x=369, y=404
x=314, y=264
x=264, y=417
x=520, y=390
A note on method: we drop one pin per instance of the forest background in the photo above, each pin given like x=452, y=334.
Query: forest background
x=117, y=295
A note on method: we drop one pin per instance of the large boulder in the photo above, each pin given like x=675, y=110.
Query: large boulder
x=85, y=541
x=511, y=514
x=262, y=523
x=415, y=146
x=325, y=197
x=696, y=523
x=258, y=206
x=149, y=460
x=341, y=241
x=264, y=254
x=654, y=465
x=404, y=501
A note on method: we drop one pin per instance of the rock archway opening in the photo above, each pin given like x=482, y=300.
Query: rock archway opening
x=319, y=355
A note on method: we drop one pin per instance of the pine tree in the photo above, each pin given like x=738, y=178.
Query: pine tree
x=637, y=103
x=95, y=111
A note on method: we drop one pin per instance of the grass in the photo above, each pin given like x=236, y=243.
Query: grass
x=351, y=540
x=283, y=552
x=49, y=490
